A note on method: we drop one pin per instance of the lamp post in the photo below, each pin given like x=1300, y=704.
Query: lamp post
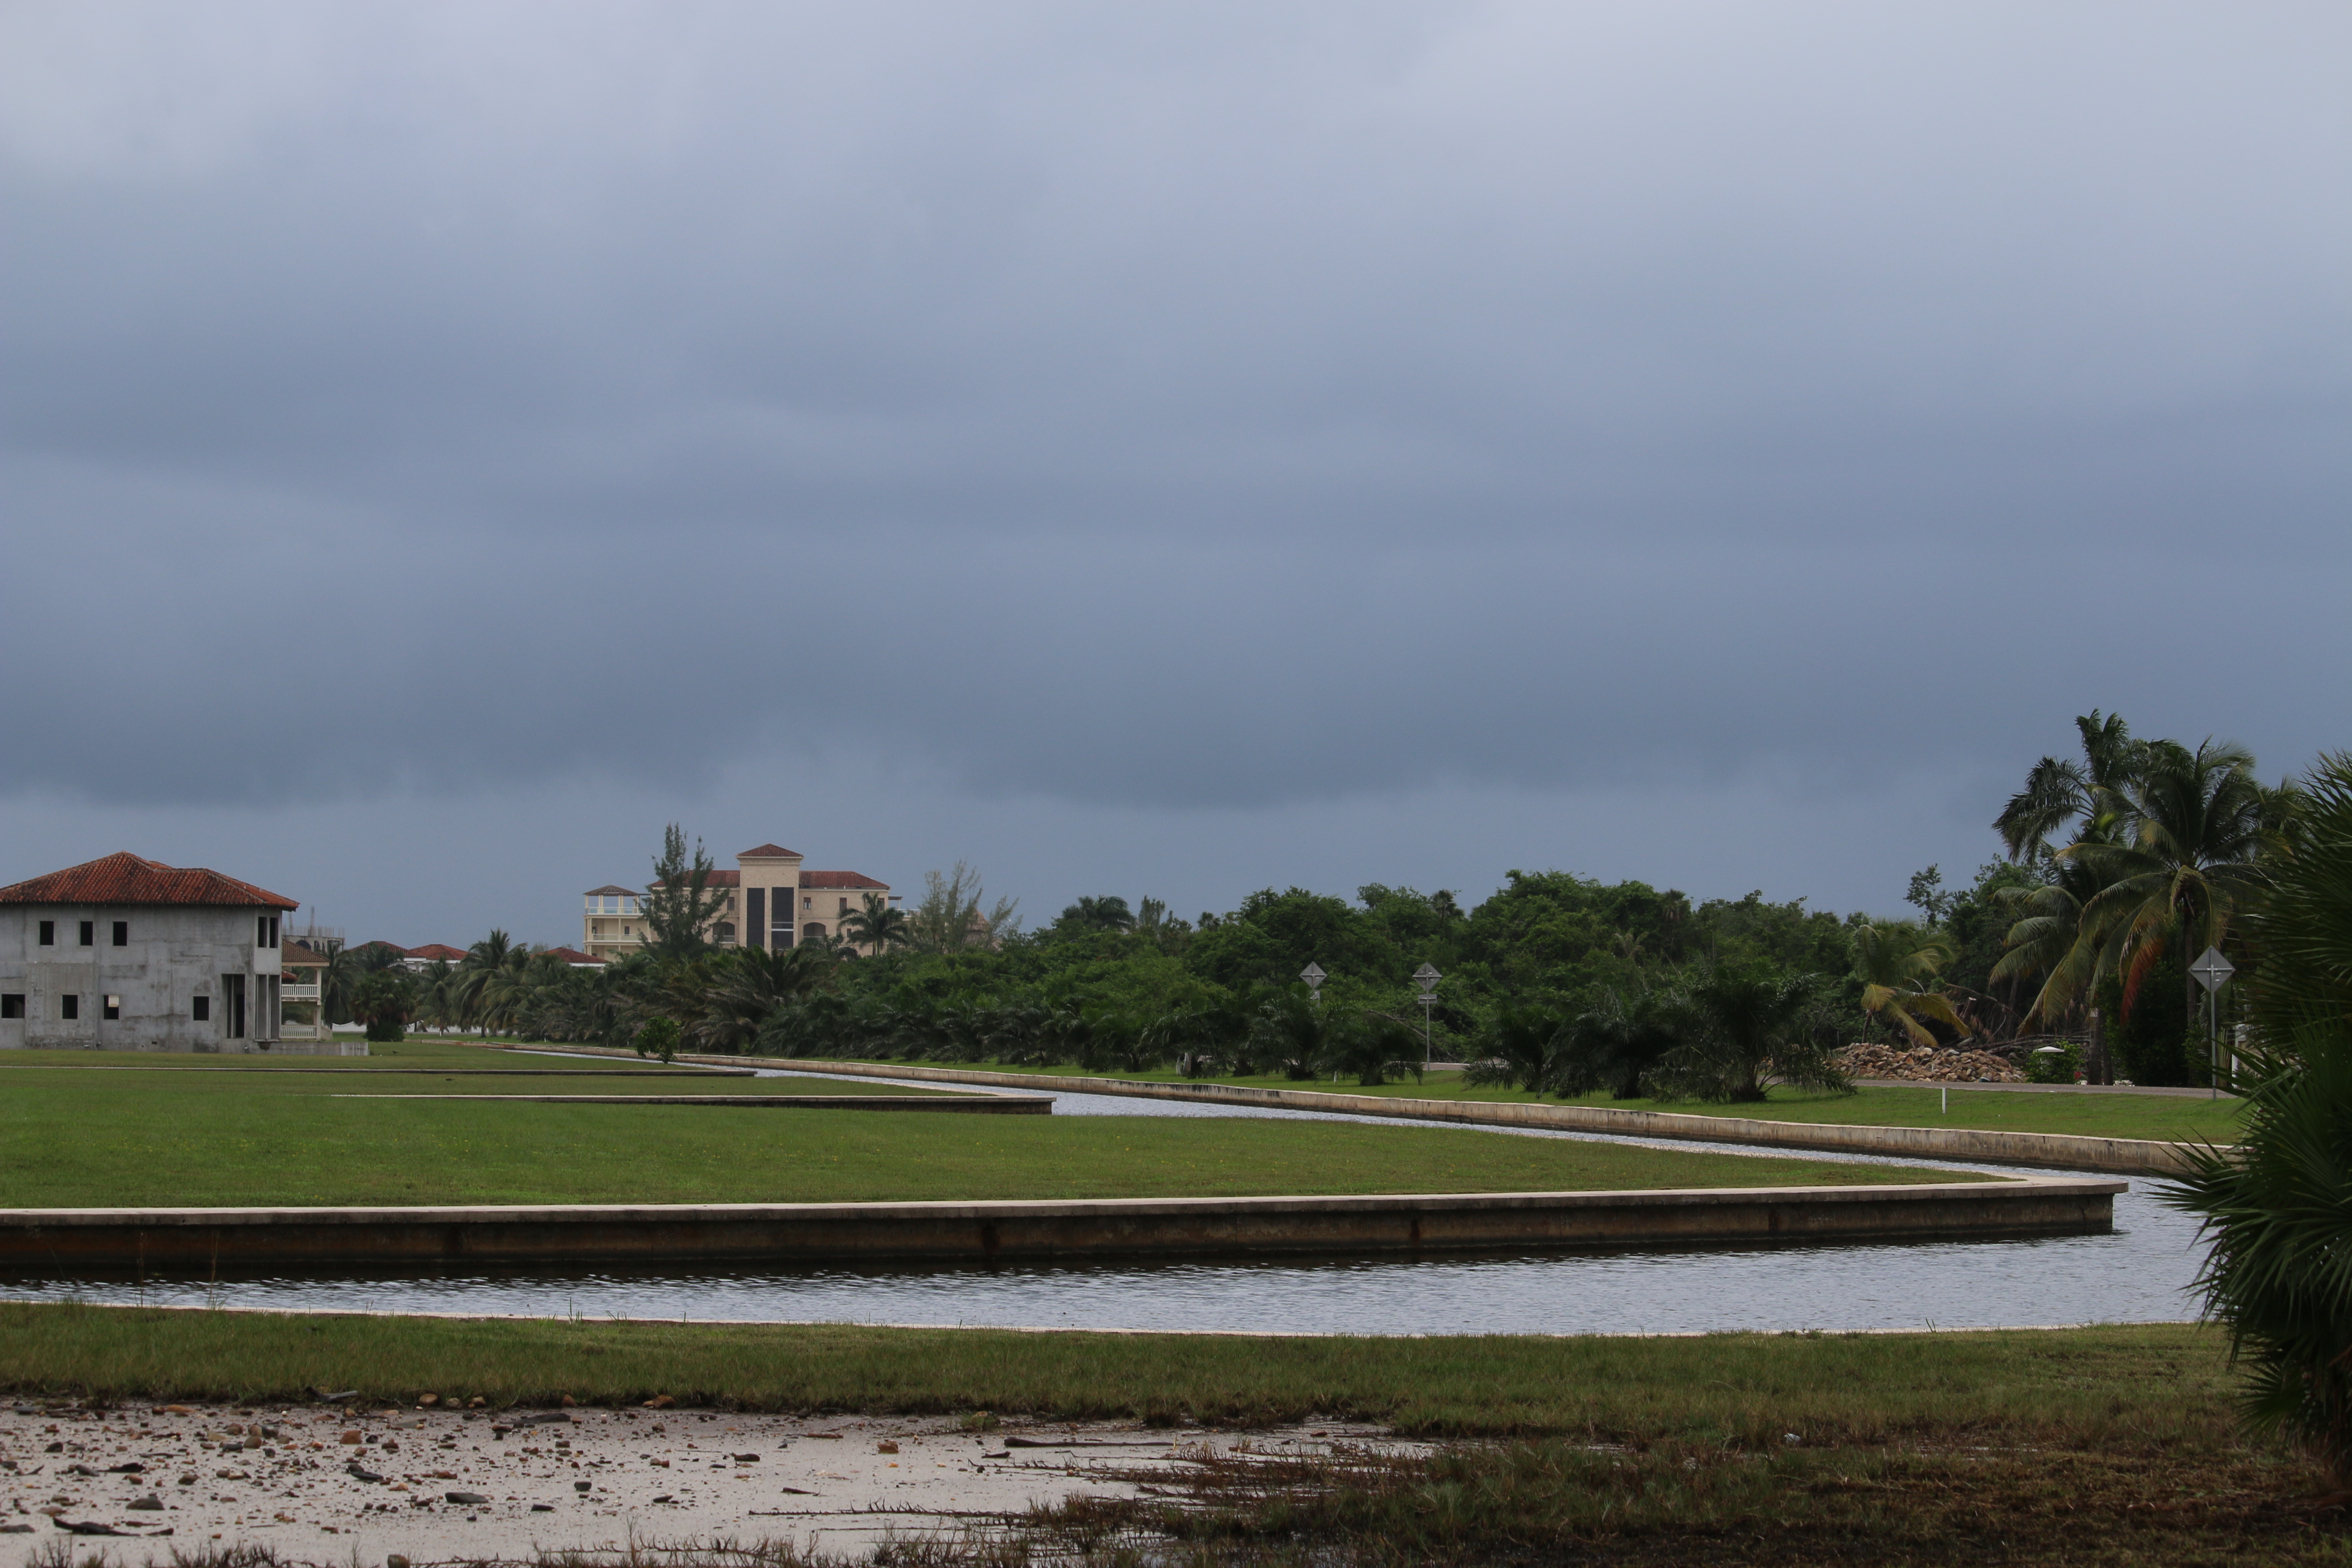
x=2212, y=972
x=1314, y=976
x=1427, y=979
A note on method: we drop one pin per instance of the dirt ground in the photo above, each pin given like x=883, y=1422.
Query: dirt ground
x=340, y=1485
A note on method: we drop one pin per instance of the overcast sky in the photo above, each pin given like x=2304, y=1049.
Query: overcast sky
x=1150, y=449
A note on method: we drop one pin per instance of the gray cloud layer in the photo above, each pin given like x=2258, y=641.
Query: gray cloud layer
x=1188, y=406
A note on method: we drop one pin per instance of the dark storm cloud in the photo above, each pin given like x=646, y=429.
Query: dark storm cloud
x=1207, y=406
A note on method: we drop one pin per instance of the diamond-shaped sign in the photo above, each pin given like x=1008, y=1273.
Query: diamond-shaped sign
x=1313, y=975
x=2211, y=969
x=1427, y=977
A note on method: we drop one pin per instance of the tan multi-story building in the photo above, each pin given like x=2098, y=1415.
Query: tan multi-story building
x=772, y=901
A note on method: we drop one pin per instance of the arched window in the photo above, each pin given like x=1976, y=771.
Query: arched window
x=725, y=933
x=812, y=931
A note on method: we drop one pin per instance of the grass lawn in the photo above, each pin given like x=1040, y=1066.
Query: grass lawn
x=2163, y=1117
x=166, y=1137
x=2103, y=1445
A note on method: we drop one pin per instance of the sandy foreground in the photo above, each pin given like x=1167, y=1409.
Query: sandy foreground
x=343, y=1486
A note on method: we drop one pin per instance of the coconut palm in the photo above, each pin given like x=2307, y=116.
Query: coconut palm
x=2089, y=794
x=2199, y=822
x=2277, y=1203
x=1896, y=960
x=878, y=928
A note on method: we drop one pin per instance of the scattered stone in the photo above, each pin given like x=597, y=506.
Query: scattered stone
x=580, y=1486
x=85, y=1527
x=15, y=1530
x=357, y=1474
x=1927, y=1064
x=394, y=1559
x=353, y=1438
x=542, y=1507
x=151, y=1503
x=344, y=1397
x=660, y=1401
x=464, y=1499
x=567, y=1401
x=428, y=1399
x=886, y=1446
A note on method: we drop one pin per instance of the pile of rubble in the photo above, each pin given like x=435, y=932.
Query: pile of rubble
x=1927, y=1064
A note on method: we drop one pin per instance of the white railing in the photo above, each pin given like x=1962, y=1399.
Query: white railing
x=297, y=993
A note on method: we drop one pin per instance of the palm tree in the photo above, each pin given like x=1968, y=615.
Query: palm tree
x=2200, y=825
x=1521, y=1041
x=2275, y=1204
x=1092, y=913
x=1617, y=1043
x=2088, y=794
x=1895, y=960
x=1750, y=1023
x=878, y=928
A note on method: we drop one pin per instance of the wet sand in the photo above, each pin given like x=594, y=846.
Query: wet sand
x=342, y=1485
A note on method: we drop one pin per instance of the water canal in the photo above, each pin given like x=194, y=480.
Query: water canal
x=2139, y=1273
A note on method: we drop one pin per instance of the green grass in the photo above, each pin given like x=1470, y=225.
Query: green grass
x=2107, y=1446
x=2170, y=1119
x=131, y=1138
x=2155, y=1381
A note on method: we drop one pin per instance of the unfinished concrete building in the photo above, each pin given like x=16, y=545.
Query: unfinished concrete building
x=127, y=955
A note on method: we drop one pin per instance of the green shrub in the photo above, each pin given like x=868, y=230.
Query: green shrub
x=2058, y=1066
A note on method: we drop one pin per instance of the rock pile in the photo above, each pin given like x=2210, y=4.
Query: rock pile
x=1927, y=1064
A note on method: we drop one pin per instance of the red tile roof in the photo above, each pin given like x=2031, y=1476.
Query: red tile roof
x=608, y=887
x=389, y=946
x=720, y=879
x=125, y=879
x=440, y=950
x=770, y=852
x=842, y=879
x=292, y=954
x=571, y=955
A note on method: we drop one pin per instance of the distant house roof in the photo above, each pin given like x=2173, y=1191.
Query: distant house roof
x=292, y=954
x=716, y=879
x=387, y=946
x=608, y=887
x=842, y=879
x=571, y=955
x=125, y=879
x=770, y=852
x=441, y=951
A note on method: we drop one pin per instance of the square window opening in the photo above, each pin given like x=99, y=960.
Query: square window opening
x=112, y=1007
x=70, y=1007
x=12, y=1005
x=48, y=933
x=123, y=933
x=89, y=933
x=202, y=1010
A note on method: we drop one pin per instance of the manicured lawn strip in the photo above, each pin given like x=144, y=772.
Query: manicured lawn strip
x=413, y=1052
x=79, y=1139
x=2164, y=1117
x=2164, y=1383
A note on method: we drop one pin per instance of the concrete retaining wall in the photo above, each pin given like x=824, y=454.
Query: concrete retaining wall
x=2053, y=1150
x=791, y=1234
